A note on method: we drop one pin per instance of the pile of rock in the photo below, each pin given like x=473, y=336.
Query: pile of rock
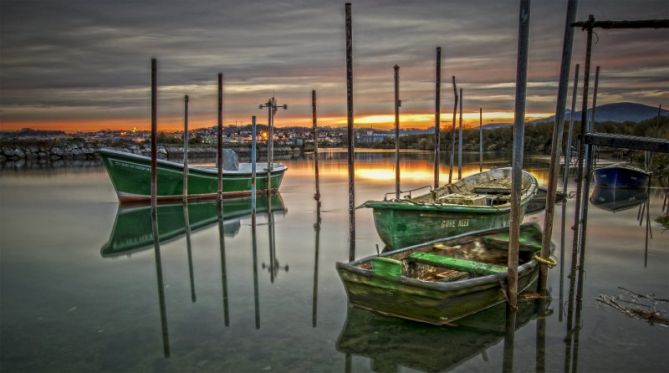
x=46, y=152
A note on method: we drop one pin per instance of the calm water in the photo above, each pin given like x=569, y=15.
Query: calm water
x=80, y=285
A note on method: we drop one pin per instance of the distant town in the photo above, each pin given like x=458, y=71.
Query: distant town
x=232, y=134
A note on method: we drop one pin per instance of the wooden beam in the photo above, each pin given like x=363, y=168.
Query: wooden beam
x=628, y=142
x=646, y=23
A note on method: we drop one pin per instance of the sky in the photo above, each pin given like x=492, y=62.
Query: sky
x=81, y=65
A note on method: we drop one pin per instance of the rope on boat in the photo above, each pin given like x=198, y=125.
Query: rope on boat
x=550, y=261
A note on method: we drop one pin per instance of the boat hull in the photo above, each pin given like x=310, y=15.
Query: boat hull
x=413, y=302
x=131, y=176
x=621, y=177
x=400, y=228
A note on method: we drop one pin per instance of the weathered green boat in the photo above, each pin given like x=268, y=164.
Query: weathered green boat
x=131, y=176
x=476, y=202
x=444, y=280
x=132, y=228
x=392, y=343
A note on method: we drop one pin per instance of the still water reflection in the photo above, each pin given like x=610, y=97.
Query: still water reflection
x=88, y=286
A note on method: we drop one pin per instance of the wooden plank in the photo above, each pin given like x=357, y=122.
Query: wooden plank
x=628, y=142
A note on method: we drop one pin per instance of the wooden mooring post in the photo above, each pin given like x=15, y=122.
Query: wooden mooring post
x=455, y=113
x=517, y=162
x=185, y=178
x=154, y=130
x=570, y=131
x=314, y=123
x=460, y=139
x=351, y=135
x=437, y=118
x=219, y=137
x=558, y=129
x=578, y=213
x=254, y=145
x=397, y=104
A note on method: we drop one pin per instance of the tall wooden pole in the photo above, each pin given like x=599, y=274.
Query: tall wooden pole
x=460, y=139
x=254, y=143
x=517, y=163
x=437, y=116
x=185, y=180
x=481, y=139
x=219, y=138
x=397, y=131
x=154, y=130
x=455, y=112
x=593, y=112
x=558, y=129
x=581, y=146
x=567, y=152
x=269, y=146
x=594, y=100
x=314, y=122
x=351, y=134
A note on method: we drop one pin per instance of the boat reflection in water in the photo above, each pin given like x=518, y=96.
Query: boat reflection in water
x=391, y=342
x=140, y=227
x=132, y=228
x=618, y=199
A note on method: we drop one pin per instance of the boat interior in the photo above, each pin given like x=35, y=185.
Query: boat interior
x=466, y=258
x=491, y=188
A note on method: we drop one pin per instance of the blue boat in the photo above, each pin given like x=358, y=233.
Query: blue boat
x=621, y=176
x=618, y=199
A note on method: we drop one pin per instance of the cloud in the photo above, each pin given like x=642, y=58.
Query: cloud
x=90, y=59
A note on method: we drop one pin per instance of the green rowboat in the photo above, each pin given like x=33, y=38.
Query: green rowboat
x=444, y=280
x=131, y=176
x=476, y=202
x=132, y=228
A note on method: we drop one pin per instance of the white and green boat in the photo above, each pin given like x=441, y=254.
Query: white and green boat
x=131, y=176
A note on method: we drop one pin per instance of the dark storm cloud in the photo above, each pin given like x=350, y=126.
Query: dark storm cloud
x=89, y=59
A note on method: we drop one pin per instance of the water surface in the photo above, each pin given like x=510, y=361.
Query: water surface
x=227, y=305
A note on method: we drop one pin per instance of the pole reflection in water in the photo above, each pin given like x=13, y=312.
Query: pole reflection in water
x=254, y=247
x=542, y=313
x=510, y=331
x=159, y=278
x=224, y=280
x=317, y=229
x=562, y=241
x=193, y=298
x=274, y=266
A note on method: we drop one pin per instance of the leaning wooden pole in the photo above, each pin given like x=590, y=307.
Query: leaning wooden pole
x=460, y=139
x=581, y=146
x=517, y=162
x=219, y=137
x=397, y=131
x=481, y=139
x=351, y=134
x=570, y=131
x=314, y=123
x=185, y=178
x=455, y=113
x=437, y=117
x=558, y=129
x=154, y=130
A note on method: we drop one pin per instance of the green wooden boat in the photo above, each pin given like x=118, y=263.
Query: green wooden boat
x=444, y=280
x=476, y=202
x=131, y=176
x=392, y=343
x=132, y=228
